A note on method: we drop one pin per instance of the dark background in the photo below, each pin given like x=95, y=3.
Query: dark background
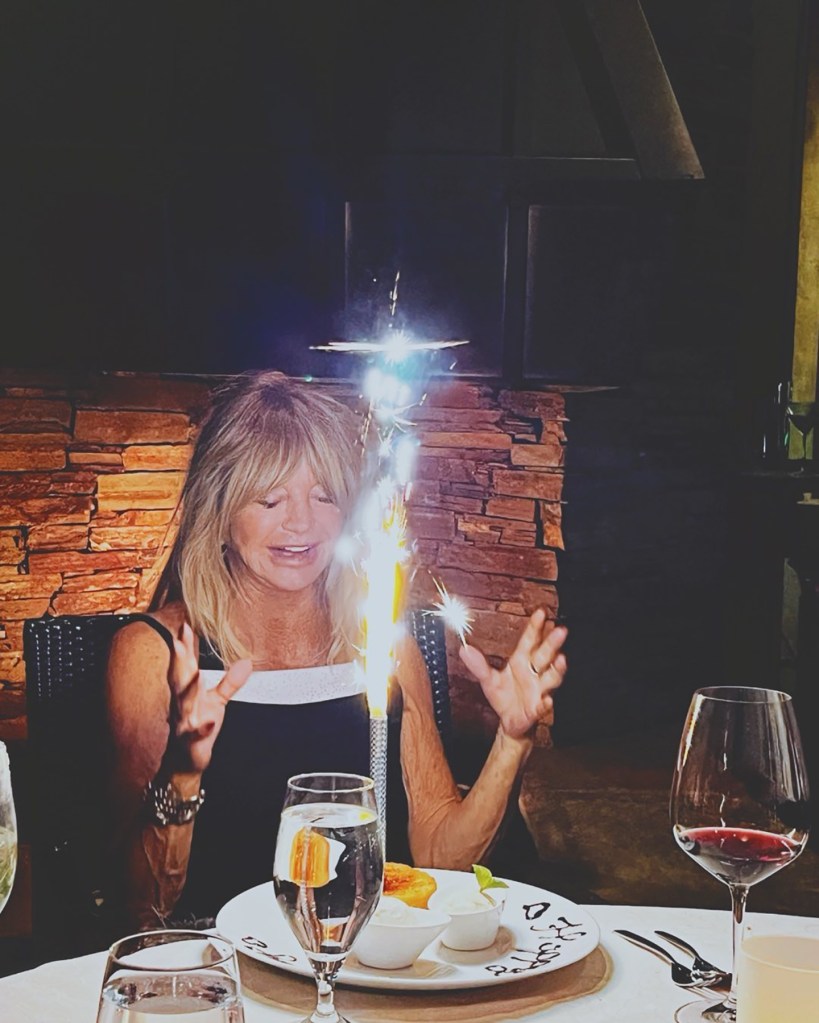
x=207, y=187
x=199, y=187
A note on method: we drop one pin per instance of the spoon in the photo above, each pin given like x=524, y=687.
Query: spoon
x=683, y=976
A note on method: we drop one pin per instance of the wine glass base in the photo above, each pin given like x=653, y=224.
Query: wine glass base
x=703, y=1011
x=316, y=1018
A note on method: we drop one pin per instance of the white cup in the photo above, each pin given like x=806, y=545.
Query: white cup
x=475, y=918
x=778, y=979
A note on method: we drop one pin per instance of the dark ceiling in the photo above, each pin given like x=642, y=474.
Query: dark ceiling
x=199, y=186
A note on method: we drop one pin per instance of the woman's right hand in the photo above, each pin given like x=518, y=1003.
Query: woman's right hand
x=197, y=713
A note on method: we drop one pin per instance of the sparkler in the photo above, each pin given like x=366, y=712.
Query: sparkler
x=391, y=389
x=454, y=612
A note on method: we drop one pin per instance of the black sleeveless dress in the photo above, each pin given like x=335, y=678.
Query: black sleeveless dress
x=258, y=748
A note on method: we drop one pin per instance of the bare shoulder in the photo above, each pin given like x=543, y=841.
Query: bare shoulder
x=137, y=640
x=139, y=650
x=138, y=694
x=172, y=616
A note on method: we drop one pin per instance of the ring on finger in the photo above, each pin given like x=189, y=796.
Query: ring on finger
x=542, y=671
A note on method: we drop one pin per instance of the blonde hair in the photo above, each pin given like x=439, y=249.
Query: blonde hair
x=259, y=430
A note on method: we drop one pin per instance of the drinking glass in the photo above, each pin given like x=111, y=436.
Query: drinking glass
x=780, y=978
x=328, y=871
x=8, y=830
x=171, y=975
x=739, y=800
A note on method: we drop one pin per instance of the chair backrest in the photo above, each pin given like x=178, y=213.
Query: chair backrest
x=65, y=668
x=429, y=633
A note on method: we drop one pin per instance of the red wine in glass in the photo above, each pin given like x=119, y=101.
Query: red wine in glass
x=739, y=799
x=738, y=855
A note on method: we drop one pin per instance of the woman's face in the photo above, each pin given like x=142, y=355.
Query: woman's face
x=288, y=537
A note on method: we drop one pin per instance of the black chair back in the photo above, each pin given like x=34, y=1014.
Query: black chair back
x=429, y=633
x=65, y=667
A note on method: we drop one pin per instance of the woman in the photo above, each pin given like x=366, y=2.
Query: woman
x=273, y=480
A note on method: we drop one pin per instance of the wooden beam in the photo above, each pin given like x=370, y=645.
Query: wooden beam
x=653, y=119
x=806, y=325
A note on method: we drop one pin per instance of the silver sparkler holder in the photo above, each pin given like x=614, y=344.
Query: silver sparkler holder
x=378, y=771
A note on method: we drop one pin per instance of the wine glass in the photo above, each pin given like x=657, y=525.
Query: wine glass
x=8, y=830
x=739, y=799
x=802, y=417
x=169, y=974
x=328, y=871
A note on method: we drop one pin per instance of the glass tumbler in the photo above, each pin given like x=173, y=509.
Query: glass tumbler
x=171, y=975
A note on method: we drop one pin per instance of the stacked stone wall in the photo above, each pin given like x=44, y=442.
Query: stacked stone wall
x=91, y=469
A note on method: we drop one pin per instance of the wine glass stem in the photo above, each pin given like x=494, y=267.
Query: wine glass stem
x=739, y=894
x=803, y=462
x=325, y=1010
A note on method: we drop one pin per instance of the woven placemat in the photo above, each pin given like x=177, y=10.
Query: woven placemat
x=495, y=1004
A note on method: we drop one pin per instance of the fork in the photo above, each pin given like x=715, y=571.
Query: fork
x=703, y=984
x=699, y=964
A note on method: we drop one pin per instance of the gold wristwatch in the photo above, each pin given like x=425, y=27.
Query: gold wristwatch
x=166, y=806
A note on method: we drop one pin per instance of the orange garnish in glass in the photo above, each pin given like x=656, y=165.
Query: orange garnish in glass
x=310, y=859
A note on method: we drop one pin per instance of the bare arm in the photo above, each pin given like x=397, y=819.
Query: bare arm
x=146, y=690
x=154, y=858
x=446, y=830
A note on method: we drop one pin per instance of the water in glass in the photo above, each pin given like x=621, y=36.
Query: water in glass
x=8, y=830
x=332, y=879
x=138, y=998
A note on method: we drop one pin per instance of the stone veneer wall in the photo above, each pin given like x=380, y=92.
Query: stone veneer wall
x=91, y=469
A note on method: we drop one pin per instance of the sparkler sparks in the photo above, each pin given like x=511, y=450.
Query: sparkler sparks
x=455, y=614
x=391, y=388
x=384, y=572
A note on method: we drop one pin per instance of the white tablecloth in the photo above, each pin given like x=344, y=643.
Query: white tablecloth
x=617, y=983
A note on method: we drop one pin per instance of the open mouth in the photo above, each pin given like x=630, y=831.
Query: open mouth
x=294, y=551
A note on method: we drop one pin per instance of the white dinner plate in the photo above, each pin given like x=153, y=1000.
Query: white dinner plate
x=540, y=932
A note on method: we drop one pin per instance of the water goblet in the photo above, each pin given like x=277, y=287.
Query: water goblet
x=328, y=871
x=8, y=830
x=170, y=975
x=739, y=800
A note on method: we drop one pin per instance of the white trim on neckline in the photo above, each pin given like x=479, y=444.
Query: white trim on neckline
x=294, y=685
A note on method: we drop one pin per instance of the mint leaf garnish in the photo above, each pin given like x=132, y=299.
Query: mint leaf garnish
x=483, y=875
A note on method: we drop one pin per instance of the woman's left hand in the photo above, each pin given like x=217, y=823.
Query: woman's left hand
x=520, y=693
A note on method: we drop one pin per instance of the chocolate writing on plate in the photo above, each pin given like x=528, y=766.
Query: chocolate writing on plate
x=260, y=948
x=548, y=949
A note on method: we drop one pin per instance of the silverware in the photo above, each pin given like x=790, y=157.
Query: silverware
x=715, y=1012
x=683, y=976
x=700, y=964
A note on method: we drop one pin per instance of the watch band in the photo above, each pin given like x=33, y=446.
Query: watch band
x=166, y=806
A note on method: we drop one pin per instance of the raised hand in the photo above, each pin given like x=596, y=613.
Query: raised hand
x=197, y=713
x=520, y=693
